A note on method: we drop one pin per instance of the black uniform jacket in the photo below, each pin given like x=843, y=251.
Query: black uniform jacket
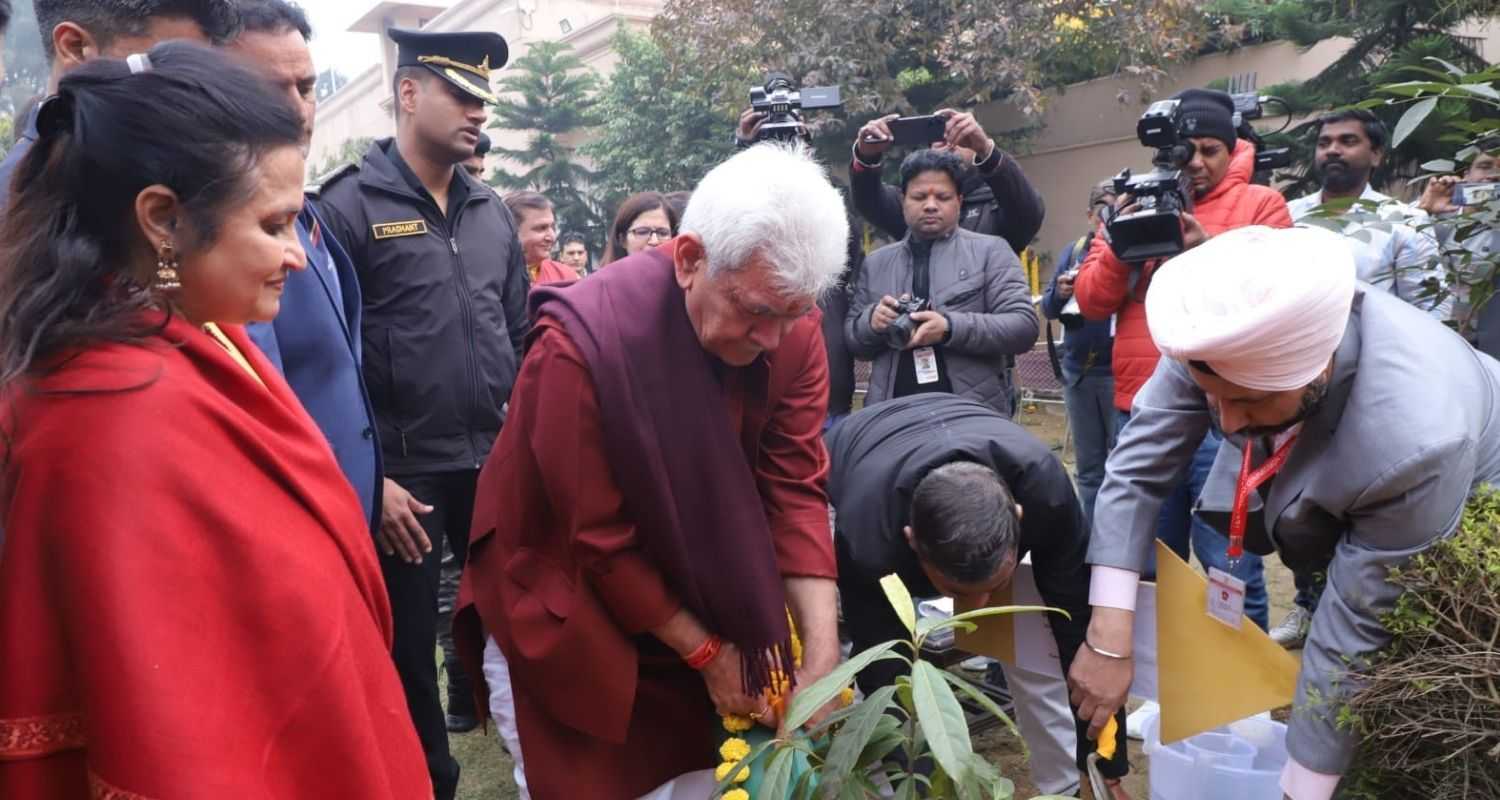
x=445, y=308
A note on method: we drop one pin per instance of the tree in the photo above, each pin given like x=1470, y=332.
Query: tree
x=26, y=72
x=919, y=55
x=647, y=93
x=550, y=95
x=352, y=151
x=1392, y=40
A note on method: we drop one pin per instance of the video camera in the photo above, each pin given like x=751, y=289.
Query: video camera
x=1165, y=193
x=1251, y=106
x=783, y=107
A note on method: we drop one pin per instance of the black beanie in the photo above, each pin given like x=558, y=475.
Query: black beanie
x=1205, y=112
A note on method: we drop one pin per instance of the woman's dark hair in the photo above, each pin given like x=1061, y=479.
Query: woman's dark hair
x=190, y=120
x=933, y=161
x=634, y=206
x=963, y=521
x=521, y=201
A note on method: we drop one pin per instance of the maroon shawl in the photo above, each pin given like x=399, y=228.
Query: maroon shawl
x=674, y=452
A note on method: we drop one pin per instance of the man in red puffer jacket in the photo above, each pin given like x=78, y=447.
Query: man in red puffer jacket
x=1223, y=199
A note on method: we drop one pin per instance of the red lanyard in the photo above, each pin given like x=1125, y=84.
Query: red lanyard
x=1248, y=483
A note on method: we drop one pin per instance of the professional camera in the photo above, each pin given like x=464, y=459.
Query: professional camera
x=783, y=107
x=899, y=334
x=1163, y=194
x=1251, y=106
x=1166, y=193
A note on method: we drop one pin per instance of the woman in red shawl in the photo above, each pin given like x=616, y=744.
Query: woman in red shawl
x=190, y=606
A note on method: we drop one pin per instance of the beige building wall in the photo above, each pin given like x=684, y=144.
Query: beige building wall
x=363, y=106
x=1088, y=131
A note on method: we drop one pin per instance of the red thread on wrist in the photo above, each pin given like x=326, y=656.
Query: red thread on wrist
x=704, y=653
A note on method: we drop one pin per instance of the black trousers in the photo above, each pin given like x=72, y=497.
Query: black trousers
x=413, y=589
x=870, y=620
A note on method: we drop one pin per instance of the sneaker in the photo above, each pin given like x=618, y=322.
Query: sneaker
x=1135, y=721
x=1292, y=631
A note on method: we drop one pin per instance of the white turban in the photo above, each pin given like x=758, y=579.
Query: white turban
x=1264, y=307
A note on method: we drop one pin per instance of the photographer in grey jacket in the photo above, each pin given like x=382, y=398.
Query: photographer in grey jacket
x=940, y=310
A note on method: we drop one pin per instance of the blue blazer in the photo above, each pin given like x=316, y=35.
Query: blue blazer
x=315, y=342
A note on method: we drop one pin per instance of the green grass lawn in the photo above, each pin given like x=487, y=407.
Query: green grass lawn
x=487, y=768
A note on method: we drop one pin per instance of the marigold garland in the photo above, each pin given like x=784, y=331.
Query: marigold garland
x=722, y=771
x=734, y=750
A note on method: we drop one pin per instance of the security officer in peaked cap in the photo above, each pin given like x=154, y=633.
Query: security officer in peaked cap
x=444, y=285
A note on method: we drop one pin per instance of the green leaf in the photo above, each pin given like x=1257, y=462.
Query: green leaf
x=1412, y=119
x=1414, y=88
x=1452, y=70
x=984, y=701
x=809, y=699
x=856, y=733
x=900, y=599
x=1440, y=75
x=777, y=780
x=1439, y=165
x=942, y=720
x=1483, y=90
x=755, y=753
x=965, y=619
x=885, y=741
x=985, y=782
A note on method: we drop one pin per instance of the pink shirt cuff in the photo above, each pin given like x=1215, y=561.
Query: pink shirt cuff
x=1112, y=587
x=1301, y=783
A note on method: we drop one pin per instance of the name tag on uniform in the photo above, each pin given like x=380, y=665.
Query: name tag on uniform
x=1226, y=597
x=392, y=230
x=927, y=367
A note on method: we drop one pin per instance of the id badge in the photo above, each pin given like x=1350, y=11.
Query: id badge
x=1226, y=597
x=927, y=367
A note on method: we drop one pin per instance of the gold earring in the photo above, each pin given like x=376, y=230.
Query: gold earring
x=166, y=268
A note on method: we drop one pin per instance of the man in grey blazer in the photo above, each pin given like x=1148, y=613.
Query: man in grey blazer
x=1368, y=426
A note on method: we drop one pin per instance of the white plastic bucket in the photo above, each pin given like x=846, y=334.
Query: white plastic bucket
x=1240, y=761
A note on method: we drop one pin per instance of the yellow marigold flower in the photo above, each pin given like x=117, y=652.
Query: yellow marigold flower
x=734, y=750
x=736, y=794
x=846, y=696
x=722, y=771
x=734, y=723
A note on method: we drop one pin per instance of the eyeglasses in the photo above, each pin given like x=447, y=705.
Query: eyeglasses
x=647, y=233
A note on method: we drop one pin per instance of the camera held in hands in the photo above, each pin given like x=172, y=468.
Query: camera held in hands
x=783, y=106
x=901, y=329
x=1164, y=194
